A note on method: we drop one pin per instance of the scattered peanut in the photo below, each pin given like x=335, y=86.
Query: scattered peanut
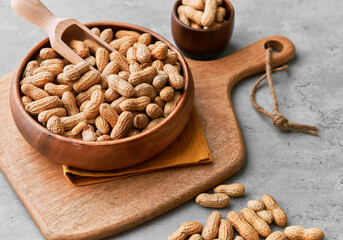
x=233, y=190
x=265, y=215
x=225, y=230
x=217, y=200
x=300, y=233
x=186, y=229
x=211, y=228
x=258, y=223
x=255, y=205
x=279, y=216
x=276, y=236
x=242, y=226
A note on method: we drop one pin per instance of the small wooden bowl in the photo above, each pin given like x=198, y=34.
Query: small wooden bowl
x=108, y=155
x=202, y=43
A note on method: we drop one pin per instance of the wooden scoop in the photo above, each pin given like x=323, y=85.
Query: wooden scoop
x=60, y=30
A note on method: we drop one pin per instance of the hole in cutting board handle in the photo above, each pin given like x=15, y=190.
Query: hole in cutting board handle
x=275, y=45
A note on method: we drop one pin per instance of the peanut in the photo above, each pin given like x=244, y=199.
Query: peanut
x=127, y=33
x=102, y=125
x=116, y=104
x=96, y=31
x=221, y=13
x=300, y=233
x=158, y=64
x=44, y=116
x=196, y=236
x=186, y=229
x=71, y=121
x=167, y=93
x=135, y=104
x=171, y=57
x=103, y=138
x=54, y=124
x=111, y=68
x=69, y=102
x=258, y=223
x=265, y=215
x=123, y=125
x=109, y=114
x=233, y=190
x=88, y=134
x=111, y=95
x=276, y=236
x=55, y=69
x=107, y=35
x=90, y=60
x=152, y=124
x=124, y=75
x=134, y=67
x=73, y=73
x=145, y=89
x=131, y=55
x=30, y=68
x=83, y=96
x=38, y=106
x=154, y=111
x=217, y=200
x=160, y=80
x=89, y=79
x=38, y=80
x=102, y=56
x=92, y=107
x=121, y=86
x=79, y=47
x=225, y=231
x=56, y=90
x=158, y=100
x=92, y=45
x=140, y=121
x=160, y=51
x=76, y=130
x=143, y=54
x=175, y=79
x=126, y=46
x=144, y=76
x=48, y=53
x=171, y=105
x=25, y=100
x=182, y=15
x=116, y=43
x=211, y=228
x=33, y=92
x=145, y=38
x=193, y=14
x=120, y=60
x=196, y=4
x=209, y=13
x=255, y=205
x=280, y=218
x=242, y=226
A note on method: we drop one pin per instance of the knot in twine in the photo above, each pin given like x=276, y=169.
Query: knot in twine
x=279, y=121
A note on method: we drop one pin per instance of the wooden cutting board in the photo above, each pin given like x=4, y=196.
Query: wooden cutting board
x=62, y=211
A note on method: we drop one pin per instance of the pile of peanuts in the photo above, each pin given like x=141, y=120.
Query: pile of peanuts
x=202, y=14
x=253, y=223
x=108, y=96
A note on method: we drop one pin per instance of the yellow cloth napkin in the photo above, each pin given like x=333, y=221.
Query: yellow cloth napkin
x=190, y=148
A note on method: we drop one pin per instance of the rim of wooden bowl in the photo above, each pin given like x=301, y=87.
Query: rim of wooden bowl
x=103, y=24
x=228, y=22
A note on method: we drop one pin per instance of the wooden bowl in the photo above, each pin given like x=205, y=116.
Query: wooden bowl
x=108, y=155
x=202, y=43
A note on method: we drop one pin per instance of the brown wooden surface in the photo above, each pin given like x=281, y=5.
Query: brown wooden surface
x=200, y=43
x=105, y=155
x=62, y=211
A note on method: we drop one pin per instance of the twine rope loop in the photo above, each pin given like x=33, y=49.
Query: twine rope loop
x=279, y=121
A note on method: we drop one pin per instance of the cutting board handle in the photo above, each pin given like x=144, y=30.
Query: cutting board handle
x=251, y=59
x=35, y=12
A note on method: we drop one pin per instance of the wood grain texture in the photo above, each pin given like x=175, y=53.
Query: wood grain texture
x=62, y=211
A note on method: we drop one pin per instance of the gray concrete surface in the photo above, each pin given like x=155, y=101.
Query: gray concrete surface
x=304, y=173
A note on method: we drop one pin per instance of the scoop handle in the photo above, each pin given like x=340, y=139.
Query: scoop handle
x=35, y=12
